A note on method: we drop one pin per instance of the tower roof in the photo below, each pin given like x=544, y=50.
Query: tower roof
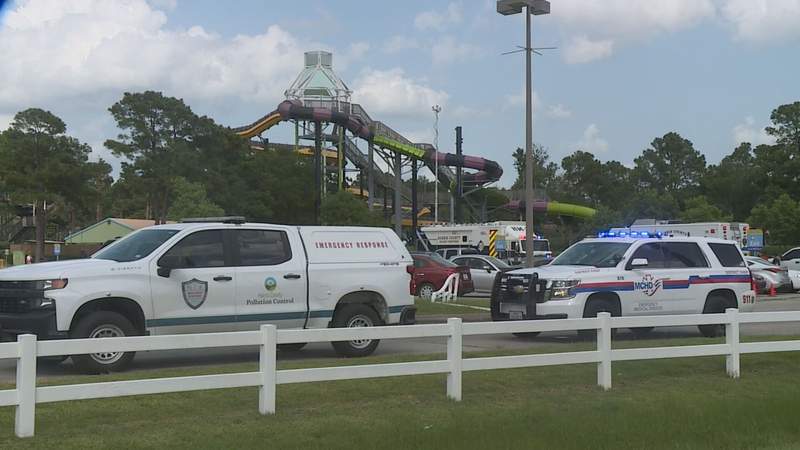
x=318, y=81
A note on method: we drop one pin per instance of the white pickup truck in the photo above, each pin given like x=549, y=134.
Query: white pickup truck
x=210, y=277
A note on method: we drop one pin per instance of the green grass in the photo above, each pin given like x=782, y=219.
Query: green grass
x=677, y=403
x=427, y=308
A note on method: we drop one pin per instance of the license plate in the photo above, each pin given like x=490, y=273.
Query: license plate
x=515, y=315
x=464, y=276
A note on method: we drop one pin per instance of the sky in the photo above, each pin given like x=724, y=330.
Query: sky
x=624, y=71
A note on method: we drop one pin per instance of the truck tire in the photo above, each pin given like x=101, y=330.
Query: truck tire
x=425, y=291
x=101, y=324
x=715, y=303
x=592, y=309
x=352, y=316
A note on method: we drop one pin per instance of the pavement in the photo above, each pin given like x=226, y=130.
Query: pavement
x=146, y=361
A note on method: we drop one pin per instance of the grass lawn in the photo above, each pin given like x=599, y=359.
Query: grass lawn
x=427, y=308
x=677, y=403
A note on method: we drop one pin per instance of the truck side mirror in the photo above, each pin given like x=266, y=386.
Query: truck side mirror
x=776, y=260
x=166, y=264
x=639, y=263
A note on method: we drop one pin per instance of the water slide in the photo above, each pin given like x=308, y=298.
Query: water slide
x=555, y=208
x=487, y=171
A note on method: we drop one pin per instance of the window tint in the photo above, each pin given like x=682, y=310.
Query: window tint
x=136, y=246
x=794, y=254
x=652, y=252
x=683, y=254
x=728, y=255
x=200, y=249
x=262, y=247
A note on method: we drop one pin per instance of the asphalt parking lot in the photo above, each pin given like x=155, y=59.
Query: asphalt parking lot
x=202, y=357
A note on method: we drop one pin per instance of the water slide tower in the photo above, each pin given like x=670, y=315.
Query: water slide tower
x=318, y=84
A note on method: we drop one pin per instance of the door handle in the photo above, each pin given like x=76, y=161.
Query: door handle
x=291, y=276
x=222, y=278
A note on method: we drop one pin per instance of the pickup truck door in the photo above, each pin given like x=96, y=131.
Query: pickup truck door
x=271, y=284
x=196, y=296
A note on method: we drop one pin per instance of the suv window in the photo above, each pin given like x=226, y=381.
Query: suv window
x=200, y=249
x=262, y=247
x=477, y=263
x=653, y=253
x=727, y=254
x=683, y=254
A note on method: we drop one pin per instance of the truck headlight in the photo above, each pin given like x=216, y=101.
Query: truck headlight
x=59, y=283
x=562, y=289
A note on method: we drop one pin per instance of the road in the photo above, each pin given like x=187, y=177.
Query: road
x=201, y=357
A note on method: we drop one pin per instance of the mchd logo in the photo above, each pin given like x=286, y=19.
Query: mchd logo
x=648, y=285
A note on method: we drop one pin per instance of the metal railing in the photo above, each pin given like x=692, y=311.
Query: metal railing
x=27, y=395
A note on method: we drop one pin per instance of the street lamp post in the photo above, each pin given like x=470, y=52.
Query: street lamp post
x=436, y=110
x=531, y=7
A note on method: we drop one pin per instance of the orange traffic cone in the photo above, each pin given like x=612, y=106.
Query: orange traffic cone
x=772, y=292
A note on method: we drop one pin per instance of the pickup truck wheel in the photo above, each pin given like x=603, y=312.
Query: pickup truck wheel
x=354, y=316
x=426, y=291
x=103, y=324
x=594, y=308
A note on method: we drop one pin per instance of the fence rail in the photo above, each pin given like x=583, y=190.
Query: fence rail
x=26, y=394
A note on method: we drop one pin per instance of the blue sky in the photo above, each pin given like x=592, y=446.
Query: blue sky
x=625, y=71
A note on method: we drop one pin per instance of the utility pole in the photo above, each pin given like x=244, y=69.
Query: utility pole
x=436, y=110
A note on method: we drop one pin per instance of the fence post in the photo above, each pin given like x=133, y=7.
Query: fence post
x=732, y=339
x=604, y=348
x=25, y=419
x=454, y=357
x=267, y=366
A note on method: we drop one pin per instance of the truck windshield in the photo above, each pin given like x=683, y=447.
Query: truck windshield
x=541, y=245
x=596, y=254
x=135, y=246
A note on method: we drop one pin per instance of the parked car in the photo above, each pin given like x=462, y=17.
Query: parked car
x=431, y=271
x=774, y=275
x=789, y=260
x=483, y=270
x=448, y=253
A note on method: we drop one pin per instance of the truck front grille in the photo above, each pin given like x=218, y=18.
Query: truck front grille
x=19, y=296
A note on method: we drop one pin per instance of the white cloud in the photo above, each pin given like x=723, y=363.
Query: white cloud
x=164, y=4
x=448, y=50
x=592, y=142
x=357, y=50
x=748, y=132
x=558, y=111
x=393, y=93
x=439, y=20
x=597, y=26
x=98, y=46
x=763, y=20
x=581, y=50
x=398, y=43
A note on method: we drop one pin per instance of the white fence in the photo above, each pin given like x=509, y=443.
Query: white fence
x=449, y=290
x=27, y=349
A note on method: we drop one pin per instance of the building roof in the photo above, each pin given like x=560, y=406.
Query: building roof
x=131, y=224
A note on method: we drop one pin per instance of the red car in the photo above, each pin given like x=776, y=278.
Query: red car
x=430, y=272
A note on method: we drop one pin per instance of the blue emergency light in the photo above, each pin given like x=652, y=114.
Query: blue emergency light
x=633, y=234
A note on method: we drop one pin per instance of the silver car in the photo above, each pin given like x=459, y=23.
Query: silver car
x=775, y=276
x=483, y=270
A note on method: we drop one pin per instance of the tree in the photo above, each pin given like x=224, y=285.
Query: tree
x=786, y=126
x=671, y=166
x=736, y=183
x=780, y=218
x=343, y=208
x=190, y=200
x=698, y=209
x=42, y=165
x=544, y=171
x=159, y=135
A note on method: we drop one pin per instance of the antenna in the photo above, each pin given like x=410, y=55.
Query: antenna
x=534, y=50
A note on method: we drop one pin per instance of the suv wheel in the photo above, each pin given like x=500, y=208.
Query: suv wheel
x=356, y=315
x=715, y=304
x=103, y=324
x=592, y=309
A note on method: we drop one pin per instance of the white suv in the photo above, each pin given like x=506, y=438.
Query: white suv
x=629, y=276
